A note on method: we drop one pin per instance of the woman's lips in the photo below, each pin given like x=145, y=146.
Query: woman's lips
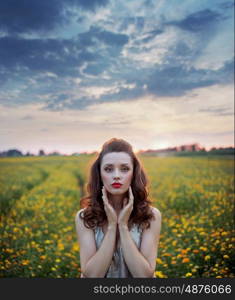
x=116, y=185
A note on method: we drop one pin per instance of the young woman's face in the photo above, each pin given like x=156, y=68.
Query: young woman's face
x=116, y=167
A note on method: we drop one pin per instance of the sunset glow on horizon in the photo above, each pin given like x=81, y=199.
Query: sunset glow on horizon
x=153, y=73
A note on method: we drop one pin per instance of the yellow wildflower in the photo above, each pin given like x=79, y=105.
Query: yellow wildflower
x=9, y=250
x=60, y=246
x=166, y=254
x=25, y=262
x=75, y=247
x=159, y=274
x=159, y=261
x=203, y=248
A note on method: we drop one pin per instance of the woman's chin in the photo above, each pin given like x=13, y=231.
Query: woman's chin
x=117, y=192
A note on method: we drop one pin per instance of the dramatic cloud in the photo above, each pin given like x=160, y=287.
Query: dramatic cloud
x=161, y=58
x=199, y=21
x=78, y=55
x=176, y=80
x=17, y=17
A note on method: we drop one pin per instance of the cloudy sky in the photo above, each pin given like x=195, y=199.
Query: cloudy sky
x=75, y=73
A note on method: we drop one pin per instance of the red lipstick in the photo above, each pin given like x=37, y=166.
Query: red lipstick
x=116, y=185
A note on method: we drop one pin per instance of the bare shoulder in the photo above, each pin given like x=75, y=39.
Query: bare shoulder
x=78, y=220
x=155, y=223
x=156, y=212
x=79, y=213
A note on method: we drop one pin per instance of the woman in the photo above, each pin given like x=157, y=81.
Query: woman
x=118, y=231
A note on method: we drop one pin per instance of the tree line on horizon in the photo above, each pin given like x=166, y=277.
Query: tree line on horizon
x=179, y=150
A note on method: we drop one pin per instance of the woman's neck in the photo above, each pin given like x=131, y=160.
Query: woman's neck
x=116, y=201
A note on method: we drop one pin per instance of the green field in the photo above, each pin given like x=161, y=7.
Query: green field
x=39, y=197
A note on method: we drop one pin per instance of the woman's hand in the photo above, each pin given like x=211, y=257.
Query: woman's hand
x=109, y=210
x=127, y=209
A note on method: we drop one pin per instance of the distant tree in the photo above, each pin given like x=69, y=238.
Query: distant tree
x=14, y=152
x=41, y=153
x=28, y=154
x=55, y=153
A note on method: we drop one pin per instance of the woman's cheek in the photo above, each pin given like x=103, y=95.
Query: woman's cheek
x=130, y=178
x=105, y=179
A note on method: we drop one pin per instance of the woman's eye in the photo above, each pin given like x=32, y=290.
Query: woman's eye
x=109, y=169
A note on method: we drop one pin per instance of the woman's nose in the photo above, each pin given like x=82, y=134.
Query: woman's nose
x=116, y=174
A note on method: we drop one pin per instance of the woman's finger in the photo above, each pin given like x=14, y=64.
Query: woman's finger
x=130, y=191
x=131, y=197
x=105, y=201
x=125, y=202
x=105, y=198
x=104, y=194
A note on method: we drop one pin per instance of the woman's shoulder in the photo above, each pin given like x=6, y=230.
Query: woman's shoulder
x=79, y=214
x=156, y=212
x=156, y=221
x=79, y=222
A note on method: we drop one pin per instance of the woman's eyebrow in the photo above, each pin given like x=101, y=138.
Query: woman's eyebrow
x=124, y=164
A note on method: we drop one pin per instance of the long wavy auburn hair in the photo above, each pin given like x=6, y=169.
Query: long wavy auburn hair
x=94, y=214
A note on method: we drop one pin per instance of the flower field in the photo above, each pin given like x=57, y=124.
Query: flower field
x=39, y=197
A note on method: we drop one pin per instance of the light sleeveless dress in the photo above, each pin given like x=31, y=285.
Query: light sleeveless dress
x=118, y=267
